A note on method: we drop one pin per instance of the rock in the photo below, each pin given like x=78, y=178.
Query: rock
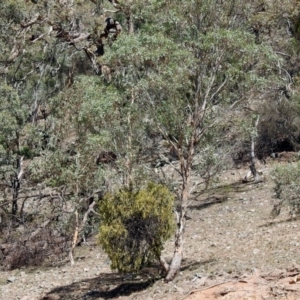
x=256, y=251
x=11, y=279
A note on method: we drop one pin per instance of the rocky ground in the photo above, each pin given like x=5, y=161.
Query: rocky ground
x=233, y=250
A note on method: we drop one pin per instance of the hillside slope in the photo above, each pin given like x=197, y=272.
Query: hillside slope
x=232, y=246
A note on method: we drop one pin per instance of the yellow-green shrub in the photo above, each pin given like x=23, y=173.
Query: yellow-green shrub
x=135, y=224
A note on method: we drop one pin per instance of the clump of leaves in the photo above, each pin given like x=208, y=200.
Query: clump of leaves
x=287, y=189
x=135, y=225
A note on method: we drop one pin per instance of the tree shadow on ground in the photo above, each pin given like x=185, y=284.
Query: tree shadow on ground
x=114, y=285
x=274, y=222
x=191, y=265
x=105, y=286
x=209, y=201
x=221, y=194
x=236, y=187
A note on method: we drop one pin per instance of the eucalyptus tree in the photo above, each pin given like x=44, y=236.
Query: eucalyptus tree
x=190, y=67
x=45, y=45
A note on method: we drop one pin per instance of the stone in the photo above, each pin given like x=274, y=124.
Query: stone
x=11, y=279
x=256, y=251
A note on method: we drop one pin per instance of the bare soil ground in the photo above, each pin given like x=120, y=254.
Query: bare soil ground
x=233, y=250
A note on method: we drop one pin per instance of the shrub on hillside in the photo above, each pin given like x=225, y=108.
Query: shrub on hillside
x=135, y=225
x=33, y=248
x=287, y=189
x=279, y=128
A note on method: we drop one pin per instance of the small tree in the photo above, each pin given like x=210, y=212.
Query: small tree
x=135, y=225
x=186, y=95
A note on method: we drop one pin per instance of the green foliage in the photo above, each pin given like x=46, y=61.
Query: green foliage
x=12, y=117
x=287, y=188
x=135, y=225
x=49, y=168
x=26, y=152
x=12, y=10
x=99, y=117
x=12, y=120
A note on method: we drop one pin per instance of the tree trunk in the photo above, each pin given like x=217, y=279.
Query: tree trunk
x=79, y=228
x=130, y=23
x=178, y=252
x=252, y=165
x=15, y=186
x=164, y=264
x=74, y=241
x=15, y=193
